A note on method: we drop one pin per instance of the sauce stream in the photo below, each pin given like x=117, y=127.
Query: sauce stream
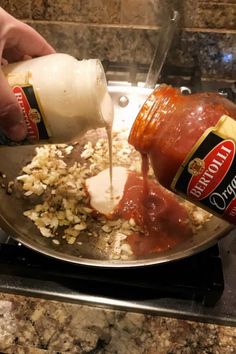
x=163, y=221
x=109, y=137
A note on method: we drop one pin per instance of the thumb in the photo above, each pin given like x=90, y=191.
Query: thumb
x=11, y=118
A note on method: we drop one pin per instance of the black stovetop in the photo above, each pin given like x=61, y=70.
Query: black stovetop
x=199, y=287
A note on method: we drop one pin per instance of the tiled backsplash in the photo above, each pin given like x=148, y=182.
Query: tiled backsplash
x=126, y=31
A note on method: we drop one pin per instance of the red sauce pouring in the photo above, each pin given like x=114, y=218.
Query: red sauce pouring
x=163, y=220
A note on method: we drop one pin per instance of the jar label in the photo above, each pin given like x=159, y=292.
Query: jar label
x=208, y=174
x=30, y=106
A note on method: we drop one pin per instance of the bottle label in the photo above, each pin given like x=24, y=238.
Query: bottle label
x=208, y=174
x=30, y=106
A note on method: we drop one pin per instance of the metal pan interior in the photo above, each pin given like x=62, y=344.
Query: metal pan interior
x=127, y=102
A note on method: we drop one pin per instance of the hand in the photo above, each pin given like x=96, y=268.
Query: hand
x=18, y=41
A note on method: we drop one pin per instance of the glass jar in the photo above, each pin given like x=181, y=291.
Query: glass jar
x=60, y=97
x=190, y=142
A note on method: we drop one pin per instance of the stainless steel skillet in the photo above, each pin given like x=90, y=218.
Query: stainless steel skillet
x=127, y=102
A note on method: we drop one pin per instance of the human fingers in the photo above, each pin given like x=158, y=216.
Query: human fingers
x=26, y=41
x=19, y=39
x=11, y=118
x=12, y=55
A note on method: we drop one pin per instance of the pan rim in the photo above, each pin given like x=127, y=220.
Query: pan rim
x=197, y=248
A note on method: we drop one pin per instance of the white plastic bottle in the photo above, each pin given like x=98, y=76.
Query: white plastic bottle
x=60, y=97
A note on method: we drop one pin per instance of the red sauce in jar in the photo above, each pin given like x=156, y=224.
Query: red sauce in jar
x=169, y=124
x=163, y=220
x=170, y=128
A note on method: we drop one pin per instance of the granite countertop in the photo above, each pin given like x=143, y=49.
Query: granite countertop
x=37, y=326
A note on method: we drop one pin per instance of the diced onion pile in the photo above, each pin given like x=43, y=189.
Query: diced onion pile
x=64, y=212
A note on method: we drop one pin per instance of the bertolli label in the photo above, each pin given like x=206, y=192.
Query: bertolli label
x=208, y=174
x=30, y=106
x=213, y=169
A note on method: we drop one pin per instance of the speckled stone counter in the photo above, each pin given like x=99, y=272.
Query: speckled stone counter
x=127, y=31
x=37, y=326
